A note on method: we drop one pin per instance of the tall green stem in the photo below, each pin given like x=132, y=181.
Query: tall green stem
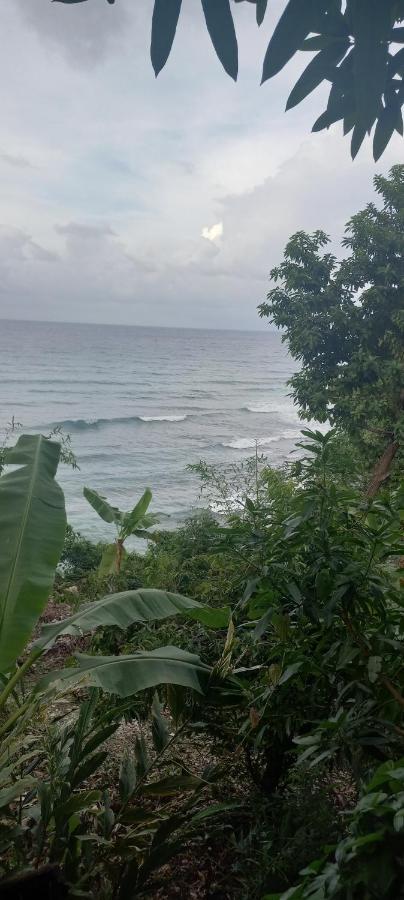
x=18, y=674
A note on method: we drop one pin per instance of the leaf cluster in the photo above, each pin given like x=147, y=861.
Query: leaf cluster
x=355, y=46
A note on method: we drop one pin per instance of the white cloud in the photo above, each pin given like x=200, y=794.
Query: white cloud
x=211, y=234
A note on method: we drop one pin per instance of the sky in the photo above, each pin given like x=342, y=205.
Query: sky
x=133, y=200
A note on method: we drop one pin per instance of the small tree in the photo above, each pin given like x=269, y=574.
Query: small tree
x=344, y=322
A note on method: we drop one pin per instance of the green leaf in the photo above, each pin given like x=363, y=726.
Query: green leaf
x=142, y=759
x=320, y=68
x=164, y=25
x=289, y=671
x=260, y=10
x=133, y=518
x=127, y=778
x=89, y=766
x=99, y=737
x=160, y=732
x=263, y=625
x=126, y=675
x=121, y=610
x=172, y=784
x=32, y=529
x=106, y=512
x=215, y=809
x=76, y=803
x=220, y=25
x=371, y=25
x=210, y=616
x=295, y=23
x=358, y=136
x=386, y=125
x=8, y=794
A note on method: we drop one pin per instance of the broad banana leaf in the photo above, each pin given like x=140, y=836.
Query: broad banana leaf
x=121, y=610
x=32, y=530
x=135, y=516
x=104, y=509
x=126, y=675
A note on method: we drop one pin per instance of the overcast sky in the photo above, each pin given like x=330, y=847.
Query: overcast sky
x=128, y=199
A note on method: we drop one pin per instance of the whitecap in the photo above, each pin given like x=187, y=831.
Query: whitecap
x=251, y=443
x=286, y=410
x=162, y=418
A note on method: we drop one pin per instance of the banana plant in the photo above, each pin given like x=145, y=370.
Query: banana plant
x=32, y=527
x=137, y=522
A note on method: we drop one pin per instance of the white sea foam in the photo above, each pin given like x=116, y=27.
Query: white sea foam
x=286, y=409
x=226, y=504
x=250, y=443
x=162, y=418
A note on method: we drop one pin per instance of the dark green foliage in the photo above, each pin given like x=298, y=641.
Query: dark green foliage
x=79, y=555
x=327, y=623
x=287, y=832
x=219, y=22
x=368, y=863
x=357, y=55
x=343, y=321
x=164, y=26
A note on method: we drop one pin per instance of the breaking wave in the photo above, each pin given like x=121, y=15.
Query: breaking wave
x=84, y=424
x=250, y=443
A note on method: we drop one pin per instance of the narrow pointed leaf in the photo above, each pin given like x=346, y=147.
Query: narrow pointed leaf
x=320, y=68
x=172, y=784
x=160, y=732
x=104, y=509
x=121, y=610
x=127, y=777
x=8, y=794
x=164, y=25
x=358, y=136
x=295, y=23
x=131, y=519
x=32, y=529
x=261, y=8
x=389, y=120
x=220, y=25
x=371, y=22
x=126, y=675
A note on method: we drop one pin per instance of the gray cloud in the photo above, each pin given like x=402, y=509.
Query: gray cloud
x=85, y=33
x=18, y=161
x=109, y=176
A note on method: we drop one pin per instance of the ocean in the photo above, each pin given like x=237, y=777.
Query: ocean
x=140, y=404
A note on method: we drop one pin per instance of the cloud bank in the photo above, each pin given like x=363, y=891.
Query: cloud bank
x=110, y=177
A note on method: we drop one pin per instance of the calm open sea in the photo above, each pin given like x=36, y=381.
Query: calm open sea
x=142, y=403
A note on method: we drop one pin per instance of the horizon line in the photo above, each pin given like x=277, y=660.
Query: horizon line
x=132, y=325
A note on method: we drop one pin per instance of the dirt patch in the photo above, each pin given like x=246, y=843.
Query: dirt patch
x=64, y=647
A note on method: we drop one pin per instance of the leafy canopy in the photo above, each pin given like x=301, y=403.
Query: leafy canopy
x=344, y=321
x=356, y=46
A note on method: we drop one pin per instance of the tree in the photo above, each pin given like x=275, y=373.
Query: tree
x=344, y=322
x=352, y=42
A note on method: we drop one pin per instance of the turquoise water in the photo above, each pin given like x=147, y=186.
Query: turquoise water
x=142, y=403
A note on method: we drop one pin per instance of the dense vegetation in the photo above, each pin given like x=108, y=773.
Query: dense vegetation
x=355, y=45
x=221, y=715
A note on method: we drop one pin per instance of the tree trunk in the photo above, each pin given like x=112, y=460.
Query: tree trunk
x=382, y=469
